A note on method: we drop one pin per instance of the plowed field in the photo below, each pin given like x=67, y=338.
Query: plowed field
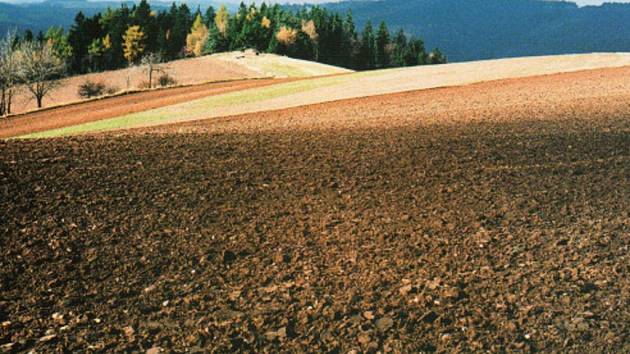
x=490, y=217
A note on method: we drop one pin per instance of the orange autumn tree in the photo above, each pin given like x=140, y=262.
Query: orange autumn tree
x=287, y=36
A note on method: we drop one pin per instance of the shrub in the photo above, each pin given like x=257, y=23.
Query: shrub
x=111, y=90
x=166, y=80
x=90, y=89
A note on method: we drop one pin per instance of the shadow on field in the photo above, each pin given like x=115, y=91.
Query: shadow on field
x=472, y=237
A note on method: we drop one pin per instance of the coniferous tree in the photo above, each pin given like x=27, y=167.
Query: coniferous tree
x=208, y=17
x=381, y=42
x=41, y=38
x=116, y=23
x=436, y=57
x=165, y=22
x=350, y=41
x=400, y=46
x=78, y=39
x=366, y=53
x=313, y=33
x=414, y=53
x=28, y=36
x=182, y=22
x=217, y=36
x=143, y=16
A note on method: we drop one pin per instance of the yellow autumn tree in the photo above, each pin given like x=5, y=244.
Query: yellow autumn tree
x=133, y=45
x=107, y=42
x=197, y=38
x=251, y=15
x=221, y=19
x=287, y=36
x=265, y=22
x=308, y=27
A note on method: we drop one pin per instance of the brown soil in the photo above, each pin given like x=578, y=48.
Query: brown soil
x=485, y=218
x=117, y=106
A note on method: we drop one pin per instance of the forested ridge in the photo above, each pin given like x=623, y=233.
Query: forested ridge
x=122, y=36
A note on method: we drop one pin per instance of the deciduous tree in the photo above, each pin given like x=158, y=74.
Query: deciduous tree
x=287, y=36
x=8, y=73
x=151, y=62
x=221, y=19
x=40, y=68
x=196, y=40
x=133, y=44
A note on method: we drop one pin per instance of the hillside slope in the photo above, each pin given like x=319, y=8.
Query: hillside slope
x=40, y=15
x=211, y=68
x=354, y=85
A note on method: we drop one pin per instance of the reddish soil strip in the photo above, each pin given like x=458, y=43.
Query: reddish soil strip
x=117, y=106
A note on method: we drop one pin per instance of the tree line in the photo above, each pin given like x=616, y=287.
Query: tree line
x=127, y=36
x=118, y=37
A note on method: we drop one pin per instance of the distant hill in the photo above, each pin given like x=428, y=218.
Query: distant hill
x=486, y=29
x=40, y=15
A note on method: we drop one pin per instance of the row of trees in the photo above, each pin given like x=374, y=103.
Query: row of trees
x=314, y=34
x=35, y=65
x=139, y=35
x=123, y=36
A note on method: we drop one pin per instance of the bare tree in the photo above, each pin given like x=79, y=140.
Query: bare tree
x=151, y=63
x=8, y=73
x=40, y=69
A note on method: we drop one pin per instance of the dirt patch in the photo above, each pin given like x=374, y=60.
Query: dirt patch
x=487, y=218
x=117, y=106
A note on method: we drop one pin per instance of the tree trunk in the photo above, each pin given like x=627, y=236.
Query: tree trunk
x=8, y=102
x=3, y=103
x=150, y=77
x=39, y=101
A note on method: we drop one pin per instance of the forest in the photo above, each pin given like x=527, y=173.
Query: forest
x=120, y=37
